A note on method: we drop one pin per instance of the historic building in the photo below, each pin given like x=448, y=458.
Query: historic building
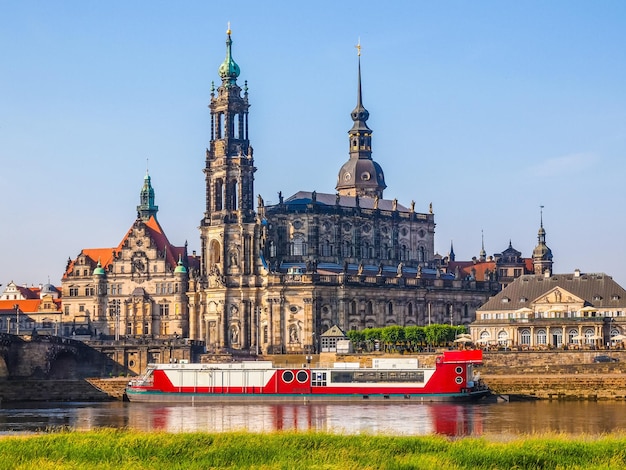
x=553, y=310
x=24, y=310
x=504, y=267
x=135, y=289
x=273, y=278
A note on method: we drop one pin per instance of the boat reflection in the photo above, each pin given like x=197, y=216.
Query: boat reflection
x=497, y=420
x=423, y=419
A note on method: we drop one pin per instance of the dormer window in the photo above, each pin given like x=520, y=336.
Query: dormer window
x=615, y=297
x=523, y=299
x=505, y=300
x=597, y=297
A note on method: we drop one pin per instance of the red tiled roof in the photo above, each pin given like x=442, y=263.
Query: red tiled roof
x=105, y=255
x=465, y=268
x=25, y=306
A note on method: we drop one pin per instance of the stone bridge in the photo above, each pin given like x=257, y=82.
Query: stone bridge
x=57, y=358
x=49, y=357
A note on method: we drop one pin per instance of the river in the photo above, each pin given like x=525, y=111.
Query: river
x=495, y=420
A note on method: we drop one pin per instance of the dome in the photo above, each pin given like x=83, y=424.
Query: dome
x=365, y=175
x=229, y=70
x=542, y=252
x=49, y=289
x=180, y=268
x=99, y=271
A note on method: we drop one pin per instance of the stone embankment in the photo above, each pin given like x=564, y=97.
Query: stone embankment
x=556, y=375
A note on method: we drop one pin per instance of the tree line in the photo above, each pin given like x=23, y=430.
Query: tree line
x=404, y=338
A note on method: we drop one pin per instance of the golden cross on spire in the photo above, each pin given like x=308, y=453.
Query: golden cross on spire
x=358, y=47
x=228, y=30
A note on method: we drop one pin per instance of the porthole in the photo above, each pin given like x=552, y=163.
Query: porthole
x=287, y=376
x=459, y=380
x=131, y=363
x=302, y=376
x=365, y=176
x=459, y=370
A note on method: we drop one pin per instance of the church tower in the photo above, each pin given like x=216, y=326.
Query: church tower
x=146, y=207
x=224, y=297
x=542, y=255
x=229, y=218
x=360, y=175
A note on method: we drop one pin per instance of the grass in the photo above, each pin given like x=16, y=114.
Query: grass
x=124, y=449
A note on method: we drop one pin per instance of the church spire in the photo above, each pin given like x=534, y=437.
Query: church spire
x=483, y=254
x=360, y=175
x=229, y=70
x=146, y=207
x=542, y=255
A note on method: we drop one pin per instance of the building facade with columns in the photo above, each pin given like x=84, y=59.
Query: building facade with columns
x=580, y=310
x=274, y=277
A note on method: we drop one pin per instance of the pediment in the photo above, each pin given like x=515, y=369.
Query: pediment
x=557, y=295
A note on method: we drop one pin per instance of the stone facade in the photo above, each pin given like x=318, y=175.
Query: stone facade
x=575, y=310
x=135, y=289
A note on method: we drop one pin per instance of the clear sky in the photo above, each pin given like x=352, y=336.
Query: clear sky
x=488, y=110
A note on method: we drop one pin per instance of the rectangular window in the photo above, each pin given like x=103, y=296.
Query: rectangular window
x=164, y=310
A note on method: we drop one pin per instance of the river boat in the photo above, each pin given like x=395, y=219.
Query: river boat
x=453, y=378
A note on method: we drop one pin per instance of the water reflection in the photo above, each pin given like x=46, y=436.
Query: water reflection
x=501, y=419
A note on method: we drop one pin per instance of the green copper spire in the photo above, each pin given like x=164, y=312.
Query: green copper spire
x=229, y=70
x=146, y=208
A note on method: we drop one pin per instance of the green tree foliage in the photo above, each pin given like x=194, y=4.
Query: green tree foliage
x=396, y=338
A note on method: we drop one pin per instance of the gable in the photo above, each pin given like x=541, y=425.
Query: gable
x=557, y=295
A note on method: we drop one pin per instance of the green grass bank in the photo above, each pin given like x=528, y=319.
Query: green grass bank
x=113, y=449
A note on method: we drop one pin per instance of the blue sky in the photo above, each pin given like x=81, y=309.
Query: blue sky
x=486, y=109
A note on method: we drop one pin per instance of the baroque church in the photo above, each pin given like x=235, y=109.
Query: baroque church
x=274, y=278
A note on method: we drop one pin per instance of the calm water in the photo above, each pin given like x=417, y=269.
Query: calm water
x=500, y=420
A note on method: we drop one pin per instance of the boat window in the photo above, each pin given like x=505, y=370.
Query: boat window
x=302, y=376
x=318, y=379
x=363, y=376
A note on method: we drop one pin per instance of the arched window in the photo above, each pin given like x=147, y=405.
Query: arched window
x=503, y=338
x=589, y=336
x=326, y=248
x=421, y=254
x=235, y=125
x=369, y=309
x=390, y=309
x=525, y=336
x=353, y=307
x=557, y=336
x=542, y=338
x=232, y=194
x=218, y=196
x=298, y=246
x=346, y=249
x=571, y=334
x=410, y=309
x=215, y=253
